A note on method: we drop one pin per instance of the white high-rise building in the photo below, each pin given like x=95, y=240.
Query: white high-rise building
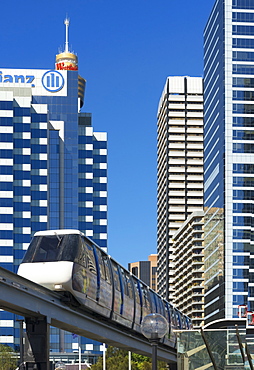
x=180, y=167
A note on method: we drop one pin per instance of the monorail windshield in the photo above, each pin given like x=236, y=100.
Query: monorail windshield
x=49, y=248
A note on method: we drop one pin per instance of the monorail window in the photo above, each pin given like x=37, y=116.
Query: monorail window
x=173, y=316
x=126, y=284
x=136, y=290
x=103, y=263
x=146, y=302
x=50, y=248
x=129, y=284
x=116, y=277
x=161, y=306
x=167, y=312
x=87, y=258
x=153, y=301
x=107, y=270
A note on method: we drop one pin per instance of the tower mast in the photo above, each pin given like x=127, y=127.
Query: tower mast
x=66, y=22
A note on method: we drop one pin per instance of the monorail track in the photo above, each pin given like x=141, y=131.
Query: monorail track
x=25, y=298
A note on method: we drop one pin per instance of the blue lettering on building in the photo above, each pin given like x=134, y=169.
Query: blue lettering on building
x=17, y=79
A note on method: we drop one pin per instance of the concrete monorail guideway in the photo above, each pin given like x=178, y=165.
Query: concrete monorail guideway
x=42, y=307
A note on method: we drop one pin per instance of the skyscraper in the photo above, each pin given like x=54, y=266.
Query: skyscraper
x=53, y=166
x=146, y=270
x=179, y=167
x=189, y=268
x=229, y=158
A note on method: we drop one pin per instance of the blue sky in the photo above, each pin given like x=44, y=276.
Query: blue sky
x=126, y=50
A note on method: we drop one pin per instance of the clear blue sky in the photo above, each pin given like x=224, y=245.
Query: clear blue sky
x=126, y=50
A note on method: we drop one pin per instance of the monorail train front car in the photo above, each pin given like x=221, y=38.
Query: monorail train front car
x=69, y=262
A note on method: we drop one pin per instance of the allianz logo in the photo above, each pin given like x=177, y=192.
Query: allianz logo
x=52, y=81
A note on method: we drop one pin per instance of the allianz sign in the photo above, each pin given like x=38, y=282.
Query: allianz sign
x=16, y=78
x=52, y=80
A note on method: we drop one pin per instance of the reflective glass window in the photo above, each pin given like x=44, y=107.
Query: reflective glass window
x=243, y=69
x=243, y=168
x=240, y=299
x=244, y=56
x=240, y=260
x=240, y=273
x=243, y=148
x=242, y=30
x=242, y=17
x=243, y=4
x=243, y=95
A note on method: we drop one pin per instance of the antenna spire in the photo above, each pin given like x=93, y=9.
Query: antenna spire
x=66, y=22
x=67, y=60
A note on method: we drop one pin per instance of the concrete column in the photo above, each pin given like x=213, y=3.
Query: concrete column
x=36, y=353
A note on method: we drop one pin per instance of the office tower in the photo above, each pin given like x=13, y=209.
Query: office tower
x=229, y=158
x=179, y=167
x=53, y=166
x=146, y=270
x=189, y=268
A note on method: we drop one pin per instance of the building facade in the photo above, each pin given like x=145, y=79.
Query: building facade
x=53, y=167
x=188, y=260
x=146, y=270
x=229, y=158
x=179, y=167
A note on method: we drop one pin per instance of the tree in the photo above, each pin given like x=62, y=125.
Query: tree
x=7, y=360
x=118, y=359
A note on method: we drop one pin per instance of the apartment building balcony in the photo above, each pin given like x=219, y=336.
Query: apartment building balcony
x=194, y=153
x=197, y=145
x=176, y=201
x=176, y=114
x=195, y=202
x=176, y=122
x=174, y=137
x=195, y=114
x=198, y=98
x=176, y=106
x=196, y=178
x=173, y=97
x=195, y=162
x=195, y=107
x=176, y=153
x=178, y=177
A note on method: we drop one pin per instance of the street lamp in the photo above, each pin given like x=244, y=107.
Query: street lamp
x=154, y=327
x=60, y=366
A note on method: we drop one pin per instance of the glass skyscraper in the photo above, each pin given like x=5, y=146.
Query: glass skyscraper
x=53, y=166
x=229, y=159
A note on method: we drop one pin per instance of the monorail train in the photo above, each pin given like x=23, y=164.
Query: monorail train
x=69, y=262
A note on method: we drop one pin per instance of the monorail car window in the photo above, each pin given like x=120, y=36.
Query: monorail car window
x=49, y=248
x=127, y=286
x=107, y=268
x=103, y=263
x=88, y=257
x=161, y=306
x=116, y=276
x=167, y=311
x=146, y=302
x=153, y=301
x=173, y=316
x=178, y=319
x=136, y=290
x=158, y=304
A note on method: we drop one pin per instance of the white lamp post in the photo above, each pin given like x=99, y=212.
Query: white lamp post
x=154, y=327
